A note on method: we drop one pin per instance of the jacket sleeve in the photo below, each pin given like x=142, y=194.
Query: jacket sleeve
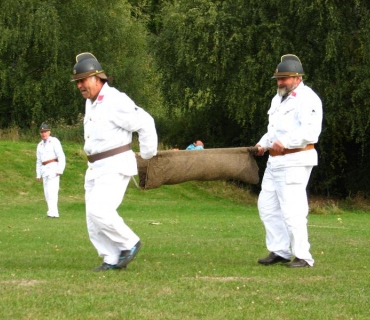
x=60, y=155
x=38, y=164
x=310, y=119
x=263, y=142
x=132, y=118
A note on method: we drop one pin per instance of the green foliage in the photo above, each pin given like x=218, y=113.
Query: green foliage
x=149, y=11
x=38, y=44
x=217, y=57
x=209, y=55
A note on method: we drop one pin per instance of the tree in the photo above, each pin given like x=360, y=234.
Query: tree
x=217, y=58
x=38, y=44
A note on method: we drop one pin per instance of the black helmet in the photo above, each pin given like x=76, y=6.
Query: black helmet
x=87, y=65
x=44, y=127
x=290, y=66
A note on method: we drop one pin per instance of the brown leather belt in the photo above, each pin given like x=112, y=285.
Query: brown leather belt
x=286, y=151
x=49, y=161
x=109, y=153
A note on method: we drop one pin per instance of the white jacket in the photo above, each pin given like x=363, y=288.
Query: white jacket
x=48, y=150
x=295, y=122
x=109, y=123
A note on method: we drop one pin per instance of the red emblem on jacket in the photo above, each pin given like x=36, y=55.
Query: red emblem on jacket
x=294, y=94
x=100, y=98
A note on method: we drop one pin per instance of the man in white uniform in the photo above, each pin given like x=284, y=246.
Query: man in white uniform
x=110, y=119
x=295, y=119
x=50, y=165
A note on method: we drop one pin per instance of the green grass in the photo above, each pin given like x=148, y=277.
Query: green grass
x=198, y=259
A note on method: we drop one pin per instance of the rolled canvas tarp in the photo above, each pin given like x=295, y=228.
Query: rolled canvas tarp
x=173, y=167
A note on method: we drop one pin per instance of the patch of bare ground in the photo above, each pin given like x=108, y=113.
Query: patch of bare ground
x=22, y=282
x=221, y=279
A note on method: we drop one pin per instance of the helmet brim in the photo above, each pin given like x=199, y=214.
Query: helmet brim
x=84, y=75
x=286, y=75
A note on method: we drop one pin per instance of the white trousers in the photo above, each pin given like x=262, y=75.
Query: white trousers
x=107, y=230
x=51, y=189
x=283, y=209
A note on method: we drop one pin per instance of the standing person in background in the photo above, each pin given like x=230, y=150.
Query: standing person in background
x=110, y=119
x=50, y=165
x=295, y=119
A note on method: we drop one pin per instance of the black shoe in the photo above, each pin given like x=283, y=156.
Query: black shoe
x=128, y=255
x=272, y=258
x=105, y=267
x=298, y=263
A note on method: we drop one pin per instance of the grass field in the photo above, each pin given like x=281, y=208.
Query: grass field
x=198, y=259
